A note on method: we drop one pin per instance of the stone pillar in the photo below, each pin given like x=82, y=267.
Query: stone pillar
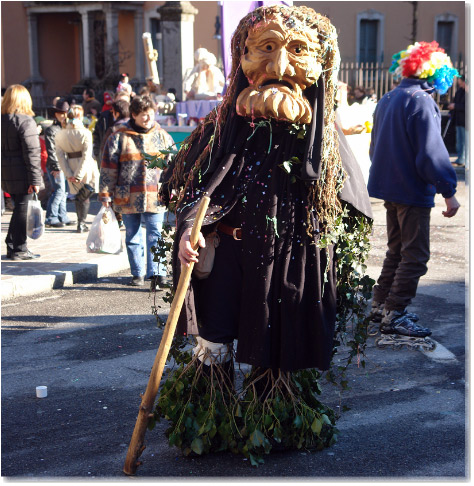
x=139, y=54
x=35, y=81
x=177, y=27
x=88, y=59
x=112, y=45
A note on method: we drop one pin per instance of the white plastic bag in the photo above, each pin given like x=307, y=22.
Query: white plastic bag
x=104, y=235
x=34, y=218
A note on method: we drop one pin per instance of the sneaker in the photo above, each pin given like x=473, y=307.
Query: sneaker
x=137, y=282
x=23, y=255
x=376, y=312
x=400, y=322
x=70, y=223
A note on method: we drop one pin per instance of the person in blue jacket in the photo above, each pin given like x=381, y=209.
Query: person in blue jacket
x=410, y=164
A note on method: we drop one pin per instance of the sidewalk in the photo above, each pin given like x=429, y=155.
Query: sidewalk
x=63, y=261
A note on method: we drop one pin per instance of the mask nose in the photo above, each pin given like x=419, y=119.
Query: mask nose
x=280, y=64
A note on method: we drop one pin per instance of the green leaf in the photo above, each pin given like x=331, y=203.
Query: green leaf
x=298, y=422
x=325, y=419
x=151, y=423
x=257, y=438
x=287, y=166
x=267, y=421
x=316, y=426
x=253, y=460
x=197, y=445
x=238, y=411
x=277, y=434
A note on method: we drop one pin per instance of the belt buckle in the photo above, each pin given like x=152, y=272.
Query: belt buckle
x=234, y=234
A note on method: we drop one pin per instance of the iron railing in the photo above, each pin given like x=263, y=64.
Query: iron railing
x=376, y=75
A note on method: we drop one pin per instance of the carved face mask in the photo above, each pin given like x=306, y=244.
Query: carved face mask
x=279, y=63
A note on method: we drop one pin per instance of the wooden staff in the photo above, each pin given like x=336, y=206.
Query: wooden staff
x=145, y=412
x=151, y=56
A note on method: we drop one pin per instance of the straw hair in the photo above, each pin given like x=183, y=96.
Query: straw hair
x=17, y=100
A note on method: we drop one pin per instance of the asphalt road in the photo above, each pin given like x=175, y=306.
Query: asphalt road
x=93, y=345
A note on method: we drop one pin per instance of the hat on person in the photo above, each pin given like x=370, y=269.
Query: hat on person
x=61, y=106
x=425, y=60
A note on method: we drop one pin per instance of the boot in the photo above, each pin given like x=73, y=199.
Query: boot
x=82, y=209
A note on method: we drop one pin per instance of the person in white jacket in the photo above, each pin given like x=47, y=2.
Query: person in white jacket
x=74, y=152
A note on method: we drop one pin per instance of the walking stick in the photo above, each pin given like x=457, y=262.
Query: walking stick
x=145, y=411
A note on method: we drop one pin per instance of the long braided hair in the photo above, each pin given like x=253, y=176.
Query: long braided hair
x=323, y=193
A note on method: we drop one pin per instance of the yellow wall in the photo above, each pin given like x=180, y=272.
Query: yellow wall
x=14, y=43
x=126, y=28
x=61, y=68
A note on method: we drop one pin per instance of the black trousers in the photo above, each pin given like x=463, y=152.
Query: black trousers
x=16, y=236
x=408, y=241
x=82, y=209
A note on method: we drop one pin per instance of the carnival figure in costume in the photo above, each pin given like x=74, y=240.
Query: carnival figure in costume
x=279, y=175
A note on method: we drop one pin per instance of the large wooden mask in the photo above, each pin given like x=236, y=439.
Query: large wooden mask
x=280, y=61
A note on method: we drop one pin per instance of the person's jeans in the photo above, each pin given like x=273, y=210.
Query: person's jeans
x=408, y=233
x=56, y=211
x=16, y=236
x=461, y=144
x=135, y=245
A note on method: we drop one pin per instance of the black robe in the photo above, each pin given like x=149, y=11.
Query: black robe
x=288, y=307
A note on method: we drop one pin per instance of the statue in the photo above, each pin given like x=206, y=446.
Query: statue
x=205, y=81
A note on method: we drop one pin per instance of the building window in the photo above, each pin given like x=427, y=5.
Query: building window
x=369, y=42
x=446, y=34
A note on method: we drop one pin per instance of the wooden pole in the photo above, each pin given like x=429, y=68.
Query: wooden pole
x=151, y=56
x=145, y=412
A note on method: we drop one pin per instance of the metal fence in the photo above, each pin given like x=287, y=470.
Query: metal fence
x=376, y=76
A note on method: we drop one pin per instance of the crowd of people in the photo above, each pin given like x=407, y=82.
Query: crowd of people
x=86, y=149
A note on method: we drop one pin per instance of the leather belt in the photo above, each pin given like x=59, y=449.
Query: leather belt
x=228, y=230
x=74, y=155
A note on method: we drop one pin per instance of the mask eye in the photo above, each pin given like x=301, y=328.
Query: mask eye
x=269, y=47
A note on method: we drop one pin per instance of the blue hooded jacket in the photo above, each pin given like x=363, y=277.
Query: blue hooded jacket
x=410, y=162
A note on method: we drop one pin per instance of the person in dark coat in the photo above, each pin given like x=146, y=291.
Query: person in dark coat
x=459, y=110
x=56, y=211
x=104, y=122
x=269, y=158
x=90, y=103
x=410, y=164
x=21, y=165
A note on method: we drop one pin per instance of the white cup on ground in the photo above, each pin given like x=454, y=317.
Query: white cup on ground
x=41, y=391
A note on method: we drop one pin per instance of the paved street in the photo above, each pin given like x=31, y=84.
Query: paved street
x=93, y=343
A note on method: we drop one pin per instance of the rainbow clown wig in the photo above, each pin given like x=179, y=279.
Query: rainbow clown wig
x=425, y=60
